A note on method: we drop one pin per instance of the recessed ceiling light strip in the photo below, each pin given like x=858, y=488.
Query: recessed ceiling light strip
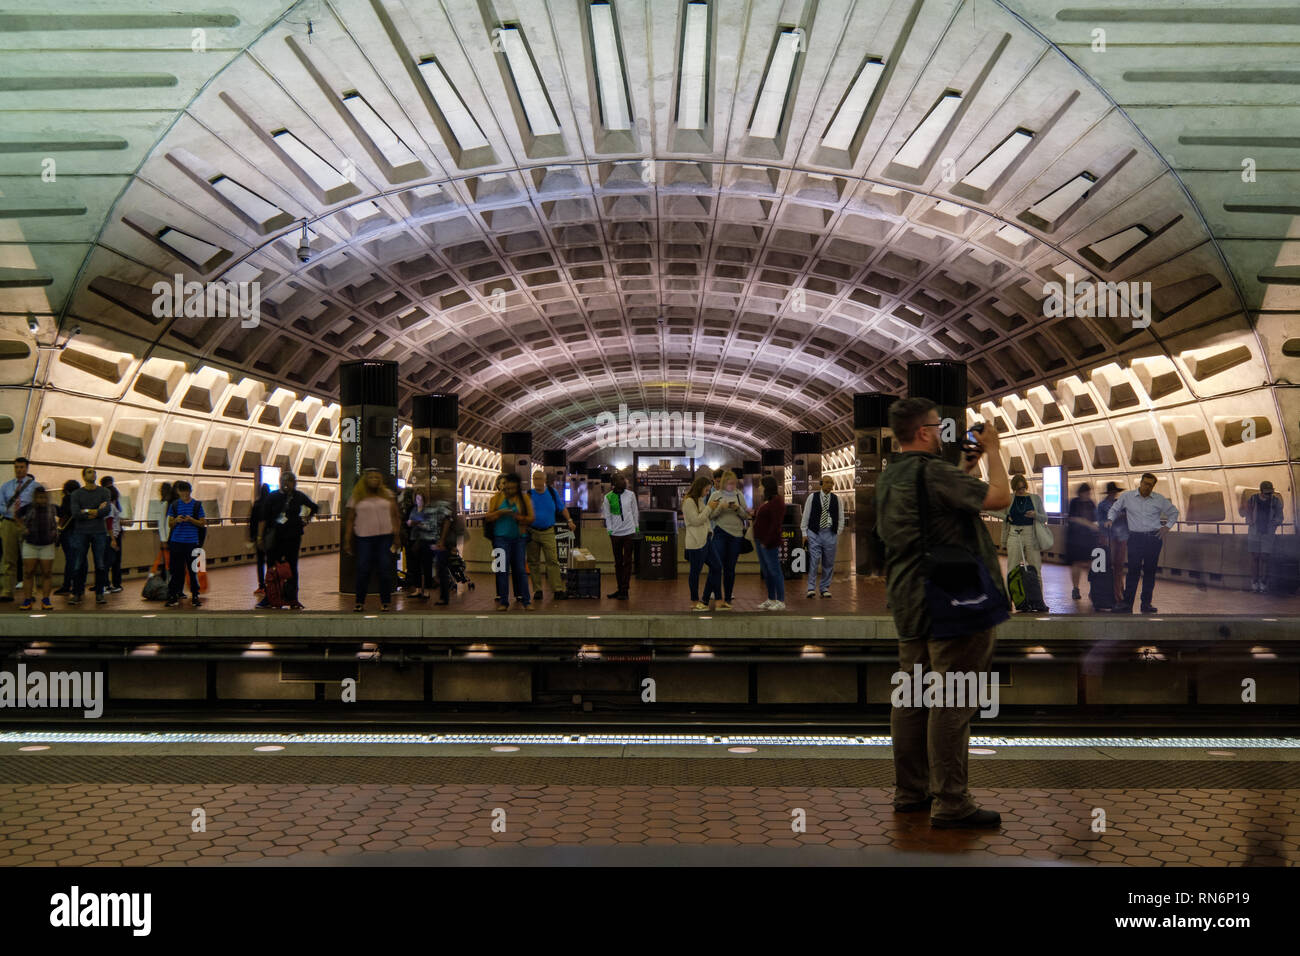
x=844, y=126
x=611, y=82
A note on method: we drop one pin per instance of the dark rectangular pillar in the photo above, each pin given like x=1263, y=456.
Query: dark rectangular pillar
x=368, y=438
x=434, y=472
x=517, y=457
x=944, y=383
x=873, y=441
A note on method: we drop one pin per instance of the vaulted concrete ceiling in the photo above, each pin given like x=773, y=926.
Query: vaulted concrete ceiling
x=927, y=167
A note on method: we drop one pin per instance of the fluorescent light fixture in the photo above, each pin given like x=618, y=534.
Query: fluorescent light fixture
x=1054, y=205
x=537, y=108
x=245, y=200
x=692, y=84
x=463, y=125
x=926, y=136
x=395, y=152
x=844, y=126
x=992, y=166
x=610, y=82
x=318, y=170
x=195, y=250
x=776, y=86
x=1113, y=247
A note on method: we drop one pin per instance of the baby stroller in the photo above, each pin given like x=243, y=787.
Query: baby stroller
x=456, y=568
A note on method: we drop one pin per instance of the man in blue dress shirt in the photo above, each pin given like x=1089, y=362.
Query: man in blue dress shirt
x=14, y=493
x=1150, y=517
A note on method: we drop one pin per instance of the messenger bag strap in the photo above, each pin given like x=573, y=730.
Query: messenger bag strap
x=923, y=505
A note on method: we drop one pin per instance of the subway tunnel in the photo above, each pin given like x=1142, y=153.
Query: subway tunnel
x=752, y=212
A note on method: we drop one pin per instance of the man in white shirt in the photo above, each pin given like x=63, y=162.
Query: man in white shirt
x=823, y=521
x=1150, y=517
x=618, y=509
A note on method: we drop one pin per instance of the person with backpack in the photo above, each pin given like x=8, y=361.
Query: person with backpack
x=509, y=514
x=14, y=494
x=928, y=512
x=543, y=557
x=39, y=524
x=284, y=520
x=185, y=522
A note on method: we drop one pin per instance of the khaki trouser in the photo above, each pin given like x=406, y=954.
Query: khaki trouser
x=931, y=744
x=541, y=550
x=11, y=560
x=1022, y=546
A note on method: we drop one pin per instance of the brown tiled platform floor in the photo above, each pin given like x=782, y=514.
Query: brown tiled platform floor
x=85, y=824
x=231, y=589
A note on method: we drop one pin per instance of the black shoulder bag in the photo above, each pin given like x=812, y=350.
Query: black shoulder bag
x=960, y=594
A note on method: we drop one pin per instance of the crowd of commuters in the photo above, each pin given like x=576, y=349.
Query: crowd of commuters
x=1120, y=536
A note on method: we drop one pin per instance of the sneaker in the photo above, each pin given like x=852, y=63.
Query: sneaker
x=826, y=594
x=697, y=606
x=766, y=604
x=101, y=599
x=196, y=602
x=530, y=607
x=502, y=607
x=27, y=604
x=1150, y=609
x=46, y=605
x=1075, y=595
x=172, y=602
x=537, y=595
x=979, y=820
x=263, y=605
x=724, y=605
x=811, y=593
x=74, y=600
x=295, y=606
x=616, y=594
x=116, y=589
x=777, y=606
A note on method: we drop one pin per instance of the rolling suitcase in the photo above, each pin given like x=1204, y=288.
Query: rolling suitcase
x=1101, y=587
x=1025, y=588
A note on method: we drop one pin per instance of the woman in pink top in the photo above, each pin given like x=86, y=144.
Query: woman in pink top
x=372, y=531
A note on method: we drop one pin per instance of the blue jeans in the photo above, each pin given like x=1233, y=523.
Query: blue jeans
x=769, y=560
x=727, y=549
x=97, y=542
x=516, y=551
x=701, y=558
x=374, y=555
x=821, y=545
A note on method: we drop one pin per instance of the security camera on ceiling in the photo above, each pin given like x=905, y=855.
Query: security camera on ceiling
x=304, y=246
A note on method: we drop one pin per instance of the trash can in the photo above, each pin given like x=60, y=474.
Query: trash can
x=791, y=538
x=657, y=549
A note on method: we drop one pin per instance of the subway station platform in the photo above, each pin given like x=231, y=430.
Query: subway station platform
x=417, y=800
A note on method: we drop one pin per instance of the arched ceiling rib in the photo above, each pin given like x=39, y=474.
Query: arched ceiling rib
x=530, y=273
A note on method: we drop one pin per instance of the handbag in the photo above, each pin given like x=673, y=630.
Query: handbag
x=960, y=594
x=747, y=540
x=1043, y=537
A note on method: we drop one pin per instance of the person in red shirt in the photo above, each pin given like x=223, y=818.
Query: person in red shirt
x=767, y=542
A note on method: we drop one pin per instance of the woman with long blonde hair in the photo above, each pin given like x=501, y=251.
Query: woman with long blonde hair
x=372, y=530
x=699, y=550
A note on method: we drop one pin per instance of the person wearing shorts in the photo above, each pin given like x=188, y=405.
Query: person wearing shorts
x=39, y=524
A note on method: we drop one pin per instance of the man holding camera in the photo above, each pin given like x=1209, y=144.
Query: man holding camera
x=931, y=749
